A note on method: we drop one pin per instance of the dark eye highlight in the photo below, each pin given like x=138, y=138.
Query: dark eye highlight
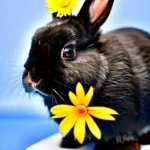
x=68, y=53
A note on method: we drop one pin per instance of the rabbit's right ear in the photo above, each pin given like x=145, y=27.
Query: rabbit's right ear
x=94, y=13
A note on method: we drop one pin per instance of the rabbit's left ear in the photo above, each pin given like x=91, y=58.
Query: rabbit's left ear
x=95, y=12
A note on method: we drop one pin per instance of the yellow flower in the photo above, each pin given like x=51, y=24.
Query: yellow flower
x=80, y=114
x=63, y=7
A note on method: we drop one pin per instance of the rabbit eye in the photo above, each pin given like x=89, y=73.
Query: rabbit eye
x=68, y=53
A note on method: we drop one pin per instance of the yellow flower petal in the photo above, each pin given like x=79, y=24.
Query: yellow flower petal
x=58, y=14
x=59, y=116
x=62, y=6
x=73, y=99
x=93, y=126
x=88, y=96
x=79, y=129
x=59, y=109
x=80, y=92
x=101, y=115
x=68, y=12
x=103, y=110
x=67, y=123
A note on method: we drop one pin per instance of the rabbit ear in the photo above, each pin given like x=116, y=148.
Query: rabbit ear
x=95, y=12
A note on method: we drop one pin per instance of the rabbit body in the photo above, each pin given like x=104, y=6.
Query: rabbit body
x=122, y=82
x=117, y=64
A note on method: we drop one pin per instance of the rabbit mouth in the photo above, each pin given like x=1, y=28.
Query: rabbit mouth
x=31, y=86
x=43, y=86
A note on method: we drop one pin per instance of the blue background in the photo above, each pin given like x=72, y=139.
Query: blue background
x=24, y=120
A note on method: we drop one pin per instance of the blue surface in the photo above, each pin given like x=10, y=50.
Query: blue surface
x=18, y=134
x=24, y=121
x=20, y=128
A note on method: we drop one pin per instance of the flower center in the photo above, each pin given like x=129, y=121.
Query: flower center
x=65, y=6
x=81, y=110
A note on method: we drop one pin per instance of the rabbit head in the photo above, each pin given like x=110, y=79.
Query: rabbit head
x=64, y=51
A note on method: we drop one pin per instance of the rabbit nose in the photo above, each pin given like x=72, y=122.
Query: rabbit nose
x=29, y=84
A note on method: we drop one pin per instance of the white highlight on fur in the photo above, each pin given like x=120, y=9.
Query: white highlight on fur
x=145, y=130
x=125, y=138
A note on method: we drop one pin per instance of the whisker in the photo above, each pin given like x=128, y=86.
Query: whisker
x=23, y=94
x=62, y=83
x=54, y=98
x=12, y=79
x=5, y=73
x=19, y=93
x=59, y=81
x=62, y=94
x=12, y=65
x=18, y=79
x=17, y=83
x=11, y=62
x=59, y=95
x=56, y=79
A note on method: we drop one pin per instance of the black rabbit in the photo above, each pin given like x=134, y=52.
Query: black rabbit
x=117, y=64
